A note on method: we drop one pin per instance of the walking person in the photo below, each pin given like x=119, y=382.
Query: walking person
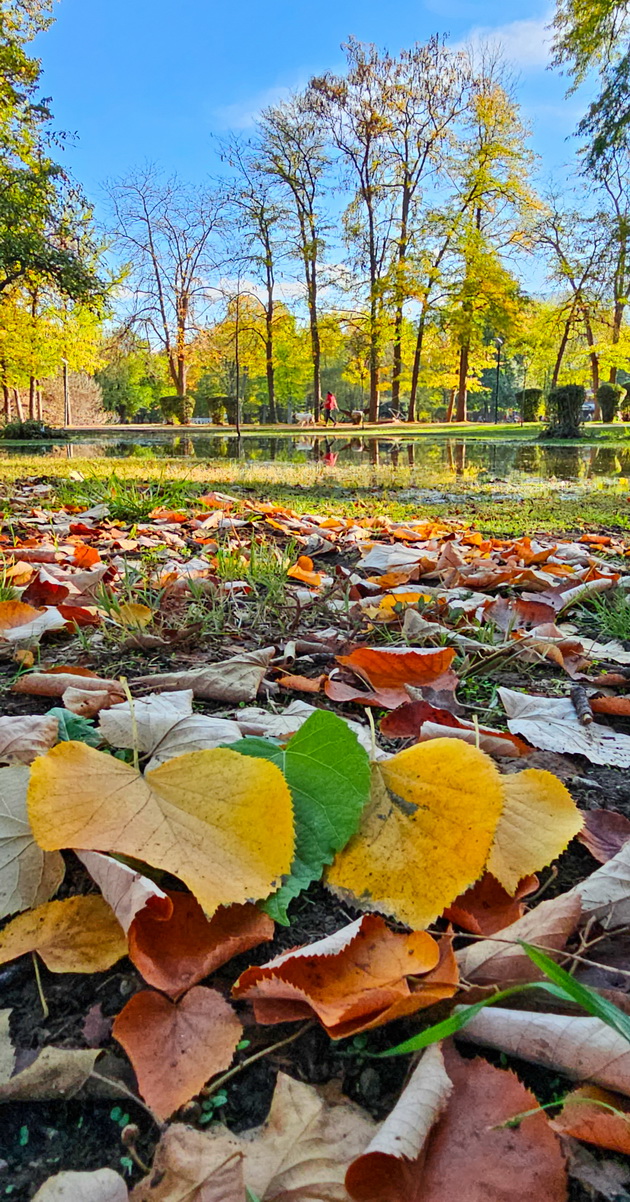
x=330, y=408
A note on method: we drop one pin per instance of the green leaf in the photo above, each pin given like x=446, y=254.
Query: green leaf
x=73, y=728
x=583, y=995
x=328, y=773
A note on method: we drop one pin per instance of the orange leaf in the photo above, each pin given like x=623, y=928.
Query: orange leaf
x=302, y=684
x=469, y=1154
x=170, y=515
x=395, y=669
x=175, y=1047
x=174, y=953
x=611, y=705
x=487, y=908
x=587, y=1114
x=16, y=613
x=389, y=699
x=352, y=980
x=303, y=571
x=86, y=557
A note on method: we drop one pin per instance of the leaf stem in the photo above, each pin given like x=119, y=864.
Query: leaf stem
x=233, y=1072
x=127, y=1093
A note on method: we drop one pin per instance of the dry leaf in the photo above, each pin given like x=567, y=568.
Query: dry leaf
x=175, y=1047
x=583, y=1049
x=552, y=724
x=56, y=1073
x=352, y=981
x=220, y=821
x=87, y=703
x=422, y=721
x=165, y=727
x=133, y=616
x=604, y=833
x=398, y=667
x=78, y=934
x=103, y=1185
x=28, y=875
x=231, y=680
x=176, y=951
x=54, y=684
x=19, y=621
x=255, y=721
x=605, y=894
x=299, y=1155
x=538, y=821
x=25, y=737
x=587, y=1114
x=126, y=891
x=486, y=907
x=494, y=962
x=620, y=706
x=469, y=1155
x=426, y=833
x=603, y=1178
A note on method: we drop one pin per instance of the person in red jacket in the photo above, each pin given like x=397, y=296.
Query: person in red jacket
x=330, y=407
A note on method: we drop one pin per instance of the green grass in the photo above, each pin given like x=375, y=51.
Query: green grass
x=609, y=615
x=132, y=489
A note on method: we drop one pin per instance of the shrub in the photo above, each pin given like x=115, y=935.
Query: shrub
x=565, y=406
x=609, y=397
x=29, y=430
x=530, y=402
x=177, y=409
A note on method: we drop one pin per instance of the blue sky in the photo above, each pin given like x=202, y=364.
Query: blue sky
x=140, y=80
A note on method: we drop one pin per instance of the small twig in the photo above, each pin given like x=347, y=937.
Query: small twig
x=127, y=1093
x=581, y=705
x=134, y=724
x=233, y=1072
x=543, y=888
x=40, y=988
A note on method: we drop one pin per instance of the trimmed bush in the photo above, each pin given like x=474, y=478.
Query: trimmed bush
x=565, y=405
x=609, y=397
x=29, y=430
x=531, y=403
x=177, y=410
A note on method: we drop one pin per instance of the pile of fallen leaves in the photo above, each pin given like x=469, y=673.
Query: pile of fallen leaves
x=198, y=830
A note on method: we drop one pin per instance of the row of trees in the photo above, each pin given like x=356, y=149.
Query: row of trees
x=373, y=236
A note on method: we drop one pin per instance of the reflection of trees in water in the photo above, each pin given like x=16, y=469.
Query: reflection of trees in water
x=566, y=462
x=456, y=456
x=605, y=461
x=374, y=453
x=411, y=454
x=527, y=458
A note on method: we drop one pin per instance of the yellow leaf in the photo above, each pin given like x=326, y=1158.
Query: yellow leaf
x=220, y=821
x=80, y=934
x=539, y=819
x=426, y=833
x=131, y=614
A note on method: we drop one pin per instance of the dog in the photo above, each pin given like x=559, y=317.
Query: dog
x=304, y=419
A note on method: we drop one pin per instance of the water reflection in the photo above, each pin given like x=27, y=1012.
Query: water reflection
x=455, y=457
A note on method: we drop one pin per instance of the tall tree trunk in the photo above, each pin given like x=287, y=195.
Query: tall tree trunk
x=561, y=349
x=271, y=382
x=32, y=397
x=374, y=362
x=451, y=405
x=400, y=296
x=310, y=271
x=67, y=408
x=462, y=387
x=417, y=362
x=6, y=393
x=18, y=405
x=40, y=406
x=594, y=358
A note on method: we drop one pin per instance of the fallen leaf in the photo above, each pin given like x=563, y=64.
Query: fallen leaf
x=56, y=1073
x=19, y=621
x=78, y=934
x=352, y=981
x=28, y=875
x=587, y=1114
x=605, y=894
x=396, y=668
x=583, y=1049
x=299, y=1155
x=538, y=820
x=175, y=1047
x=133, y=616
x=175, y=951
x=126, y=891
x=495, y=962
x=96, y=1028
x=25, y=737
x=604, y=833
x=605, y=1176
x=422, y=721
x=619, y=706
x=390, y=1165
x=426, y=834
x=231, y=680
x=221, y=822
x=84, y=556
x=486, y=907
x=328, y=774
x=102, y=1185
x=87, y=703
x=552, y=724
x=338, y=690
x=165, y=727
x=262, y=723
x=302, y=684
x=469, y=1154
x=54, y=684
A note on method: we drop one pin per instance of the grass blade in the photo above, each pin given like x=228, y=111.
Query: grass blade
x=585, y=997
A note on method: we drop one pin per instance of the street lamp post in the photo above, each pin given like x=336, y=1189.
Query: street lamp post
x=499, y=344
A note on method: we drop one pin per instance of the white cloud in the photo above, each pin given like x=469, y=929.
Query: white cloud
x=524, y=43
x=243, y=114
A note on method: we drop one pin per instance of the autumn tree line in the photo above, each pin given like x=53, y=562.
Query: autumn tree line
x=374, y=234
